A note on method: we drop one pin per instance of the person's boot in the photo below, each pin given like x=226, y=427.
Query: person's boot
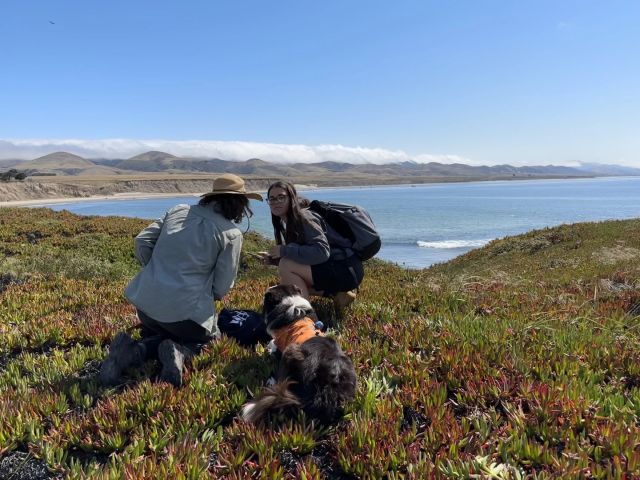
x=342, y=300
x=124, y=352
x=172, y=356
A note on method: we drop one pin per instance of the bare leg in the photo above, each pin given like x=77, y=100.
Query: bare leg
x=293, y=273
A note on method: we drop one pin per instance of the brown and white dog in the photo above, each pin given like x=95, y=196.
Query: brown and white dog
x=314, y=374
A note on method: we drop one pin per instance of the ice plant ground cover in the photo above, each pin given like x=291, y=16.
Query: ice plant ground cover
x=517, y=360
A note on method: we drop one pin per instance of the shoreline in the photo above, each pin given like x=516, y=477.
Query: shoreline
x=116, y=196
x=36, y=202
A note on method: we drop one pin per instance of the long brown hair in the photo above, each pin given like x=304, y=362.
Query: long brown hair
x=233, y=207
x=294, y=230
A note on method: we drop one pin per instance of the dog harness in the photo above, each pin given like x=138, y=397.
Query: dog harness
x=297, y=332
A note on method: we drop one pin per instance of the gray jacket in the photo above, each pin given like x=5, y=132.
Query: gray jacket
x=190, y=258
x=320, y=242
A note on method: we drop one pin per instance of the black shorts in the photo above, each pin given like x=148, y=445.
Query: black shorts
x=335, y=276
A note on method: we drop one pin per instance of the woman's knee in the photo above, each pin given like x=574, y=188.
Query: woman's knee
x=289, y=270
x=287, y=265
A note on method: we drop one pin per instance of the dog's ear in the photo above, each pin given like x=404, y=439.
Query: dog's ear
x=291, y=363
x=312, y=361
x=272, y=298
x=293, y=353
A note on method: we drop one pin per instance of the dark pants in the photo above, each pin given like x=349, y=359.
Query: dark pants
x=185, y=332
x=338, y=274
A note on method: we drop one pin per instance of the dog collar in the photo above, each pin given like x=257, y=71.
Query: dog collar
x=297, y=332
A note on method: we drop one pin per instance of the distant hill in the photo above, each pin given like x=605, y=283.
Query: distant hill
x=59, y=160
x=606, y=169
x=64, y=163
x=158, y=162
x=149, y=162
x=164, y=162
x=10, y=163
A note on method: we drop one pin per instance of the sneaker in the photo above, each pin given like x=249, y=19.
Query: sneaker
x=172, y=356
x=124, y=352
x=342, y=300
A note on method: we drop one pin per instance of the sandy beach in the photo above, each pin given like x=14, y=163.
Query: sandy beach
x=116, y=196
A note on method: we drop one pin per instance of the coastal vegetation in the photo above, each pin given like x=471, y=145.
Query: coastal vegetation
x=12, y=174
x=517, y=360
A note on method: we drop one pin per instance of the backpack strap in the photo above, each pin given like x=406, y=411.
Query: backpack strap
x=340, y=253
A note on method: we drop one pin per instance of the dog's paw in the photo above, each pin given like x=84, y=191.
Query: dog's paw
x=271, y=347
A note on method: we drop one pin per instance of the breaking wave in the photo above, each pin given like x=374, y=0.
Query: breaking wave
x=454, y=243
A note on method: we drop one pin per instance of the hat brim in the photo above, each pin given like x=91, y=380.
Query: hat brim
x=252, y=195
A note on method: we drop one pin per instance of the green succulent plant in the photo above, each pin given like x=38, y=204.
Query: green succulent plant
x=520, y=359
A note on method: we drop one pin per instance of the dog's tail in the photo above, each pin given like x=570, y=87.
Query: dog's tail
x=272, y=399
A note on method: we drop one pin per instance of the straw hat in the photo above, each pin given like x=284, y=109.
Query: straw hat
x=233, y=184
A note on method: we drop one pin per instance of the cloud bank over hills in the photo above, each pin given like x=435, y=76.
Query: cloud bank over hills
x=115, y=148
x=270, y=152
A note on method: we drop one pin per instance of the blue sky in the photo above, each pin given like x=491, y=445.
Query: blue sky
x=483, y=82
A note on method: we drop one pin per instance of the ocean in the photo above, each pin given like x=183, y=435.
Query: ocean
x=425, y=224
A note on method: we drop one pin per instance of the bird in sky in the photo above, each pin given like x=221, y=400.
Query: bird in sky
x=52, y=23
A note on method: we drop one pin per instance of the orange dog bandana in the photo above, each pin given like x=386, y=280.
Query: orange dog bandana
x=297, y=332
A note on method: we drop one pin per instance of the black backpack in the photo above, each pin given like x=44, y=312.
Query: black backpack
x=351, y=222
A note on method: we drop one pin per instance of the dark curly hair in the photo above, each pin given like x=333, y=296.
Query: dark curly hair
x=233, y=207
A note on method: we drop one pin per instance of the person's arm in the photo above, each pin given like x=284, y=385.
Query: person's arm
x=226, y=269
x=316, y=248
x=146, y=241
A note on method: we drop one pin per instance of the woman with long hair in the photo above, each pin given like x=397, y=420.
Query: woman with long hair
x=189, y=259
x=308, y=252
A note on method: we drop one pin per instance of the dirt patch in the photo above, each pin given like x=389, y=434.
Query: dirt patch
x=608, y=285
x=617, y=254
x=21, y=465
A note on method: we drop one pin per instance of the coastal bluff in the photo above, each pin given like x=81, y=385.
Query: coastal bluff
x=37, y=190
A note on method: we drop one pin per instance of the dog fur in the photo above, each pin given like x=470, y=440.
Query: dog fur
x=315, y=375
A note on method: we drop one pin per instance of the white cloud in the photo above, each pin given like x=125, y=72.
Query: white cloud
x=27, y=149
x=272, y=152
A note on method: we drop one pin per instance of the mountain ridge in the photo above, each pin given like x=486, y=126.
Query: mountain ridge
x=65, y=163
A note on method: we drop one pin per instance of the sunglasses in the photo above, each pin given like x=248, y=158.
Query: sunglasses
x=278, y=199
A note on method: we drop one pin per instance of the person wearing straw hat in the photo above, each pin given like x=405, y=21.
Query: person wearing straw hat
x=189, y=259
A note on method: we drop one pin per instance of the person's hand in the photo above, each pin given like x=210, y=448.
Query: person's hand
x=274, y=252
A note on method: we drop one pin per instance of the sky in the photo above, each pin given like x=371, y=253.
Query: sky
x=481, y=82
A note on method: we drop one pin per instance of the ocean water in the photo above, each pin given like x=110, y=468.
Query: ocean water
x=425, y=224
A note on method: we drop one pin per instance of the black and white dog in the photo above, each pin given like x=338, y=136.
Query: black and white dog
x=314, y=374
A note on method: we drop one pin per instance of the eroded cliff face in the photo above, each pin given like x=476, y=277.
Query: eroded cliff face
x=31, y=190
x=14, y=191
